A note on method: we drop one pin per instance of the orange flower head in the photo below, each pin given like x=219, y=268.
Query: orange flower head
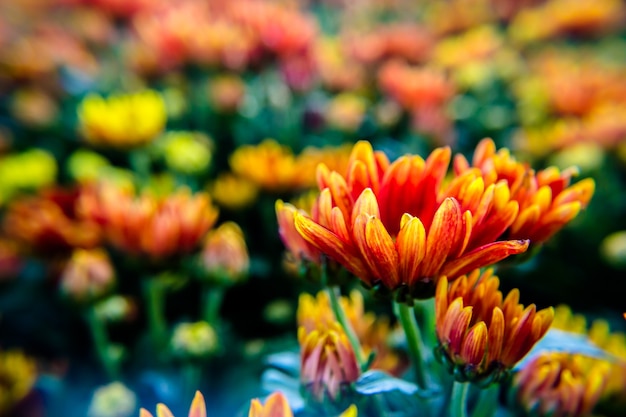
x=48, y=223
x=315, y=313
x=226, y=92
x=599, y=333
x=560, y=384
x=481, y=335
x=328, y=362
x=546, y=200
x=225, y=254
x=387, y=224
x=10, y=258
x=197, y=409
x=147, y=226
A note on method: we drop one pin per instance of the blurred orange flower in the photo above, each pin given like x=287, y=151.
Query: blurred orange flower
x=197, y=408
x=49, y=224
x=560, y=384
x=481, y=336
x=224, y=255
x=145, y=225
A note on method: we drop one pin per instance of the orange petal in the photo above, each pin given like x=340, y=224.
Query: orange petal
x=441, y=300
x=377, y=249
x=256, y=408
x=496, y=335
x=198, y=406
x=367, y=204
x=163, y=411
x=484, y=256
x=411, y=248
x=475, y=344
x=145, y=413
x=276, y=405
x=330, y=244
x=442, y=236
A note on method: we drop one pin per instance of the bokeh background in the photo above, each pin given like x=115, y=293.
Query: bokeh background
x=237, y=101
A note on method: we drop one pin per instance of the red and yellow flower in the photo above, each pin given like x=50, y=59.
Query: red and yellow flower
x=373, y=332
x=481, y=334
x=387, y=224
x=547, y=201
x=327, y=361
x=560, y=384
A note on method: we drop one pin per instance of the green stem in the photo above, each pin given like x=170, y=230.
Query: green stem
x=212, y=302
x=154, y=296
x=427, y=309
x=487, y=402
x=458, y=405
x=192, y=374
x=340, y=315
x=101, y=343
x=406, y=315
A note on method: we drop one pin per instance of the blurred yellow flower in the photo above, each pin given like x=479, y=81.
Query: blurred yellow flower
x=613, y=249
x=269, y=165
x=233, y=192
x=345, y=112
x=86, y=166
x=112, y=400
x=28, y=170
x=187, y=152
x=123, y=120
x=560, y=384
x=18, y=374
x=194, y=340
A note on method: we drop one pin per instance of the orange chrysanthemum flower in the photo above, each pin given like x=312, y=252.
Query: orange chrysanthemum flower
x=327, y=361
x=145, y=225
x=197, y=409
x=48, y=223
x=560, y=384
x=386, y=223
x=276, y=405
x=481, y=336
x=547, y=201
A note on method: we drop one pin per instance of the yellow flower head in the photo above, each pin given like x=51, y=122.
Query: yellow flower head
x=560, y=384
x=18, y=374
x=233, y=192
x=269, y=165
x=122, y=120
x=187, y=152
x=194, y=340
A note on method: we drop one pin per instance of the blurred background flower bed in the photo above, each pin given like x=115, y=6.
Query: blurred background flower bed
x=203, y=195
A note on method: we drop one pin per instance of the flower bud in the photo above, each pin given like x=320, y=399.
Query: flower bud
x=88, y=275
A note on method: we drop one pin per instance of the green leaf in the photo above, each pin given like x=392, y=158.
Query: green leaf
x=377, y=382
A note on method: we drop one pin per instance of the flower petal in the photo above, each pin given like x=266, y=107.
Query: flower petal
x=484, y=256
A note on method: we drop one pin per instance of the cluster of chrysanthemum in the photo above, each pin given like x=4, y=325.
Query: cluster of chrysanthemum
x=408, y=226
x=75, y=229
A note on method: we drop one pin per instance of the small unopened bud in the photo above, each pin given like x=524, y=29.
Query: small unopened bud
x=225, y=255
x=113, y=400
x=194, y=340
x=116, y=308
x=88, y=275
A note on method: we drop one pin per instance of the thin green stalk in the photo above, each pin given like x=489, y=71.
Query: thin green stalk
x=154, y=297
x=340, y=315
x=427, y=309
x=487, y=402
x=101, y=343
x=406, y=315
x=458, y=405
x=212, y=302
x=192, y=375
